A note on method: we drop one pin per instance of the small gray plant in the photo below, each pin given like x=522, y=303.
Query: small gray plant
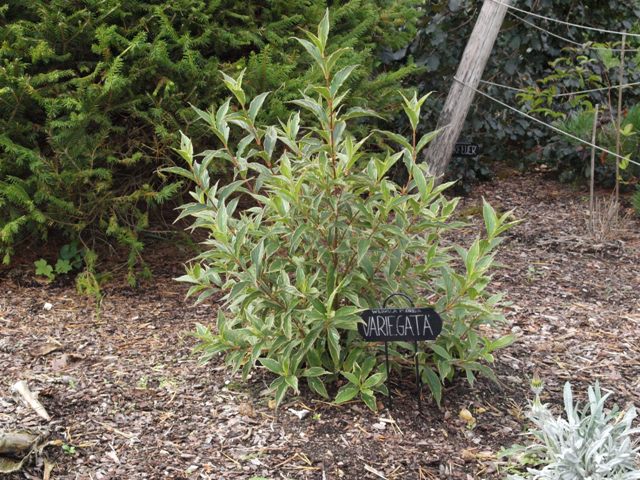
x=589, y=444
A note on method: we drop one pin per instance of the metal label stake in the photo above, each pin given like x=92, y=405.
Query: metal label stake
x=400, y=325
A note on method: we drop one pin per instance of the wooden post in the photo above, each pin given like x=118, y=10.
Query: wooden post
x=474, y=59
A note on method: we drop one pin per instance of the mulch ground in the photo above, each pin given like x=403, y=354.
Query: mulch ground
x=128, y=400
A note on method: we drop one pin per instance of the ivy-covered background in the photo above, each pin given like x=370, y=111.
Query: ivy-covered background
x=521, y=58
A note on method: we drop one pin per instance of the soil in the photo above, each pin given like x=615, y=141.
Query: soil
x=128, y=400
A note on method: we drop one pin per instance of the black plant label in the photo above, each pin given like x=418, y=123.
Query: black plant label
x=399, y=324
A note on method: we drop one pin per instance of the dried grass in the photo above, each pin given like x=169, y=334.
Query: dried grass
x=605, y=222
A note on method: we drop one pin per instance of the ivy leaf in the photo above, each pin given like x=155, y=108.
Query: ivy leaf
x=68, y=251
x=624, y=163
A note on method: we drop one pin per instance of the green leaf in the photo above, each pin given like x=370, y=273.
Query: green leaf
x=256, y=105
x=490, y=218
x=412, y=110
x=433, y=381
x=43, y=269
x=314, y=51
x=357, y=112
x=369, y=400
x=281, y=390
x=374, y=380
x=421, y=181
x=502, y=342
x=483, y=369
x=397, y=138
x=318, y=306
x=317, y=386
x=624, y=163
x=257, y=254
x=441, y=352
x=472, y=256
x=346, y=393
x=69, y=251
x=426, y=138
x=314, y=372
x=352, y=377
x=339, y=78
x=363, y=248
x=272, y=365
x=292, y=381
x=235, y=86
x=333, y=338
x=206, y=116
x=270, y=140
x=323, y=30
x=179, y=171
x=63, y=266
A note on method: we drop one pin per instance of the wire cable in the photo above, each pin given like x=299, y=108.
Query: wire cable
x=548, y=125
x=584, y=27
x=566, y=94
x=506, y=87
x=568, y=40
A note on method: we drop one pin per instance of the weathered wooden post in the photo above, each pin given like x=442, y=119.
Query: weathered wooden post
x=474, y=59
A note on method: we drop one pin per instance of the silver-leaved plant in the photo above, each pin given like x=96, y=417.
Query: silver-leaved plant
x=591, y=443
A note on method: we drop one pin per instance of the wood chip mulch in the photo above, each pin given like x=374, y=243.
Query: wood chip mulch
x=129, y=401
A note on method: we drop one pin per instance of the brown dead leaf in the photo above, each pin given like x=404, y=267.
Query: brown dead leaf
x=46, y=348
x=67, y=360
x=246, y=409
x=485, y=455
x=472, y=455
x=468, y=455
x=466, y=416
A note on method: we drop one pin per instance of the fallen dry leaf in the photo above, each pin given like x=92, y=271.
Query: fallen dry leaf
x=46, y=348
x=466, y=416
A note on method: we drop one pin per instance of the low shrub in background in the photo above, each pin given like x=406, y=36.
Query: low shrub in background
x=594, y=68
x=326, y=235
x=93, y=92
